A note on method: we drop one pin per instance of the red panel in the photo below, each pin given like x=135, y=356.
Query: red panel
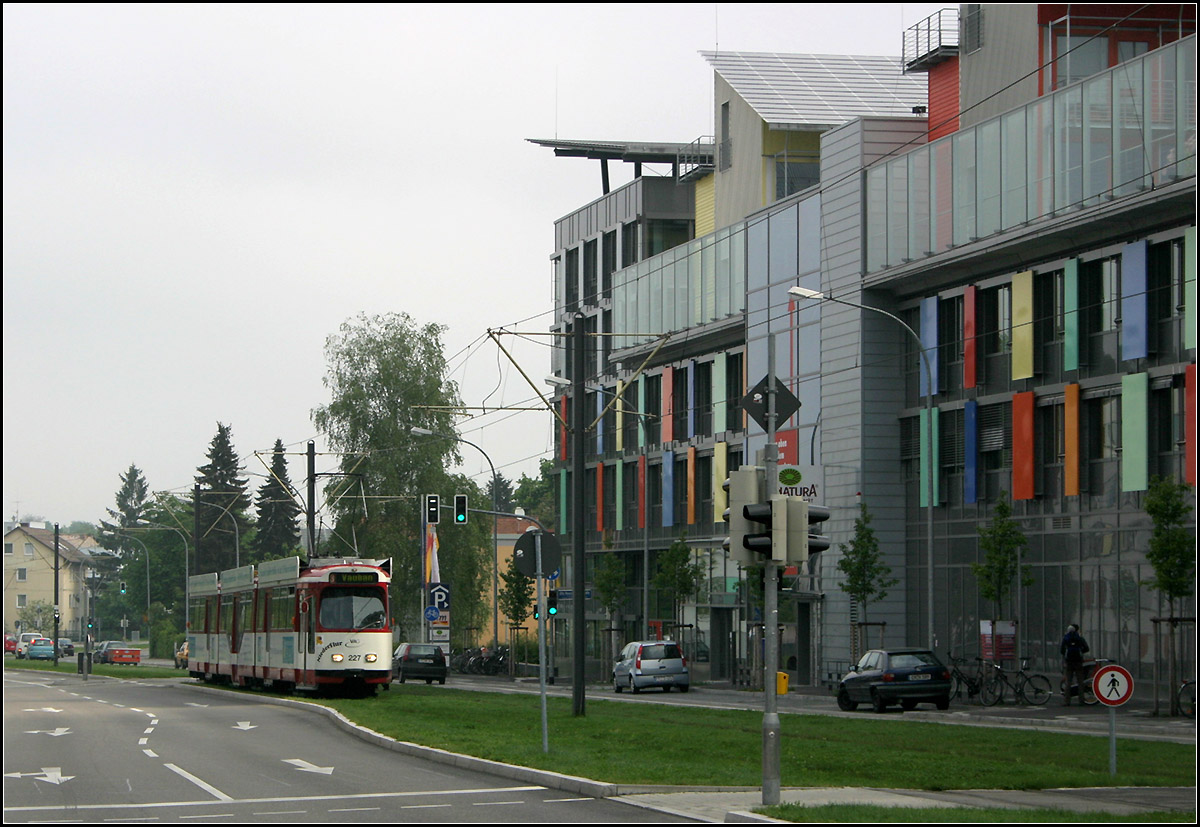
x=1189, y=407
x=1022, y=441
x=943, y=99
x=969, y=338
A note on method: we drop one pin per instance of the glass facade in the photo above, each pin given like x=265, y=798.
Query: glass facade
x=1130, y=128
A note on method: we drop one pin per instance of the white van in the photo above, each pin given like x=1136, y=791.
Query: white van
x=24, y=640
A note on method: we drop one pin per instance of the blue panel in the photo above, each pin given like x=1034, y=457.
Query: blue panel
x=970, y=451
x=1135, y=317
x=599, y=424
x=929, y=338
x=668, y=490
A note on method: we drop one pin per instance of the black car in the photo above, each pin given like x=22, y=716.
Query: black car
x=419, y=660
x=66, y=647
x=887, y=676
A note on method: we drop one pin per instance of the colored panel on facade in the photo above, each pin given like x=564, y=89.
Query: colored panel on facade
x=1071, y=315
x=641, y=406
x=1022, y=447
x=1071, y=441
x=620, y=416
x=641, y=498
x=1189, y=424
x=943, y=99
x=599, y=423
x=668, y=490
x=1135, y=305
x=720, y=465
x=1022, y=325
x=600, y=497
x=929, y=341
x=706, y=219
x=971, y=452
x=562, y=429
x=691, y=483
x=925, y=457
x=1189, y=291
x=667, y=423
x=691, y=412
x=619, y=496
x=969, y=331
x=1135, y=434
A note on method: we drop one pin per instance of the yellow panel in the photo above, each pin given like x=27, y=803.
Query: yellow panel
x=1022, y=334
x=706, y=217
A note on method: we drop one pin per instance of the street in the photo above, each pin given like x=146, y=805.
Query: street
x=154, y=750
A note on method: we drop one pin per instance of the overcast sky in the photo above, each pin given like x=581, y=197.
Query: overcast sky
x=197, y=196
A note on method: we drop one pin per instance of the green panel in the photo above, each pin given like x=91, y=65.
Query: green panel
x=641, y=406
x=1071, y=315
x=1189, y=288
x=937, y=494
x=718, y=395
x=1135, y=405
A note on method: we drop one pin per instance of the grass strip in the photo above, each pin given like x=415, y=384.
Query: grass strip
x=872, y=814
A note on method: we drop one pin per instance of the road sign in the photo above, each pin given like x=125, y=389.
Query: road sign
x=755, y=403
x=525, y=554
x=1112, y=684
x=432, y=613
x=439, y=597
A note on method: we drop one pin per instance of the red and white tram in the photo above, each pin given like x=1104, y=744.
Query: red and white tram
x=320, y=624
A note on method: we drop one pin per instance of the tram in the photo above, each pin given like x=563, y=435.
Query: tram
x=318, y=625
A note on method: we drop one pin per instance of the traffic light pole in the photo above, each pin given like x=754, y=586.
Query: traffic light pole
x=770, y=725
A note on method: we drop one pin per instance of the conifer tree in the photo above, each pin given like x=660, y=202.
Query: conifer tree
x=220, y=514
x=276, y=535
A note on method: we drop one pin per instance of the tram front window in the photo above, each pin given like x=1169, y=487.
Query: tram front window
x=345, y=607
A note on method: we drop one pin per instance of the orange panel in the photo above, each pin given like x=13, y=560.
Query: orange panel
x=1071, y=440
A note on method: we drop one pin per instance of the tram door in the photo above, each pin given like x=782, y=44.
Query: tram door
x=307, y=641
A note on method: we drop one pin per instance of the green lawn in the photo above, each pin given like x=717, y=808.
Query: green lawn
x=70, y=665
x=855, y=814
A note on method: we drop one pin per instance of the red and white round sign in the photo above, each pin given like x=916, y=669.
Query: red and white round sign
x=1112, y=684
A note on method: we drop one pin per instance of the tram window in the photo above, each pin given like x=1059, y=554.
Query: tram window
x=344, y=607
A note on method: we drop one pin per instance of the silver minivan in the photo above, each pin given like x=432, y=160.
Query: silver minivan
x=645, y=663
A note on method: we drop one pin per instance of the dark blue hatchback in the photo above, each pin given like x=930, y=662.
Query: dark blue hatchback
x=888, y=676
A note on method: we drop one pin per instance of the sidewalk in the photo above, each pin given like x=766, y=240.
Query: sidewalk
x=736, y=806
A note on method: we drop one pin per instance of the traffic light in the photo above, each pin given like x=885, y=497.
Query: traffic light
x=744, y=487
x=460, y=509
x=552, y=603
x=91, y=623
x=433, y=508
x=123, y=589
x=804, y=537
x=771, y=541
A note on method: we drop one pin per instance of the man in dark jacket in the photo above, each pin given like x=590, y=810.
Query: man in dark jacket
x=1072, y=649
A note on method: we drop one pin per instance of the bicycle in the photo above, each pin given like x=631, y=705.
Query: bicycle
x=1033, y=689
x=1085, y=691
x=962, y=683
x=1186, y=698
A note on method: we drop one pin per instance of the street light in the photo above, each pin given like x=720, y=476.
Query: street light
x=143, y=545
x=186, y=570
x=495, y=520
x=815, y=295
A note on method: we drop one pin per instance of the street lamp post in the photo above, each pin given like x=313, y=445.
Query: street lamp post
x=495, y=522
x=805, y=293
x=186, y=570
x=143, y=545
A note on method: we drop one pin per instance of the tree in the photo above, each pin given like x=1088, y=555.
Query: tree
x=386, y=374
x=1002, y=544
x=677, y=576
x=220, y=517
x=276, y=533
x=504, y=492
x=867, y=577
x=131, y=507
x=1172, y=554
x=515, y=595
x=611, y=591
x=37, y=616
x=536, y=495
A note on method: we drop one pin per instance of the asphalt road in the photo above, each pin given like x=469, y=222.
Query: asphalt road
x=153, y=750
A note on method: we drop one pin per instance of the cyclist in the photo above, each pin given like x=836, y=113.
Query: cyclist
x=1072, y=649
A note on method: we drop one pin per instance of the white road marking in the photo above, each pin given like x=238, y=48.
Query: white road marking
x=204, y=785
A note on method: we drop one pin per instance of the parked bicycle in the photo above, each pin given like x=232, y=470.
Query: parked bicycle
x=1033, y=689
x=1187, y=699
x=962, y=684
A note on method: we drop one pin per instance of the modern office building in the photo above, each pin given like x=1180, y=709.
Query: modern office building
x=1018, y=192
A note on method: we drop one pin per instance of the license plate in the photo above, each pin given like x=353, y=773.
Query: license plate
x=424, y=660
x=919, y=677
x=664, y=679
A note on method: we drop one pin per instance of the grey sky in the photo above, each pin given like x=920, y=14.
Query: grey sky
x=195, y=197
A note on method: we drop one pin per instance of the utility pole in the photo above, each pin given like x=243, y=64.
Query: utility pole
x=311, y=511
x=578, y=527
x=771, y=733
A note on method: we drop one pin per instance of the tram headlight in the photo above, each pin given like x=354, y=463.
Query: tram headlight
x=338, y=657
x=371, y=658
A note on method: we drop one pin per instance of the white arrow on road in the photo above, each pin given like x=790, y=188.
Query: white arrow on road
x=52, y=774
x=44, y=709
x=201, y=706
x=301, y=764
x=62, y=730
x=244, y=725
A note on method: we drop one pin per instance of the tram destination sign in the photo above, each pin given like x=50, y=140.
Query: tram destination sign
x=354, y=577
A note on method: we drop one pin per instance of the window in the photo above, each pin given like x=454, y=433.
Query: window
x=22, y=601
x=29, y=549
x=8, y=548
x=794, y=176
x=22, y=575
x=972, y=27
x=725, y=150
x=629, y=244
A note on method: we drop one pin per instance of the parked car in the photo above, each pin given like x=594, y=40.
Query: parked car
x=419, y=660
x=10, y=643
x=103, y=653
x=646, y=663
x=41, y=648
x=888, y=676
x=66, y=647
x=181, y=656
x=24, y=640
